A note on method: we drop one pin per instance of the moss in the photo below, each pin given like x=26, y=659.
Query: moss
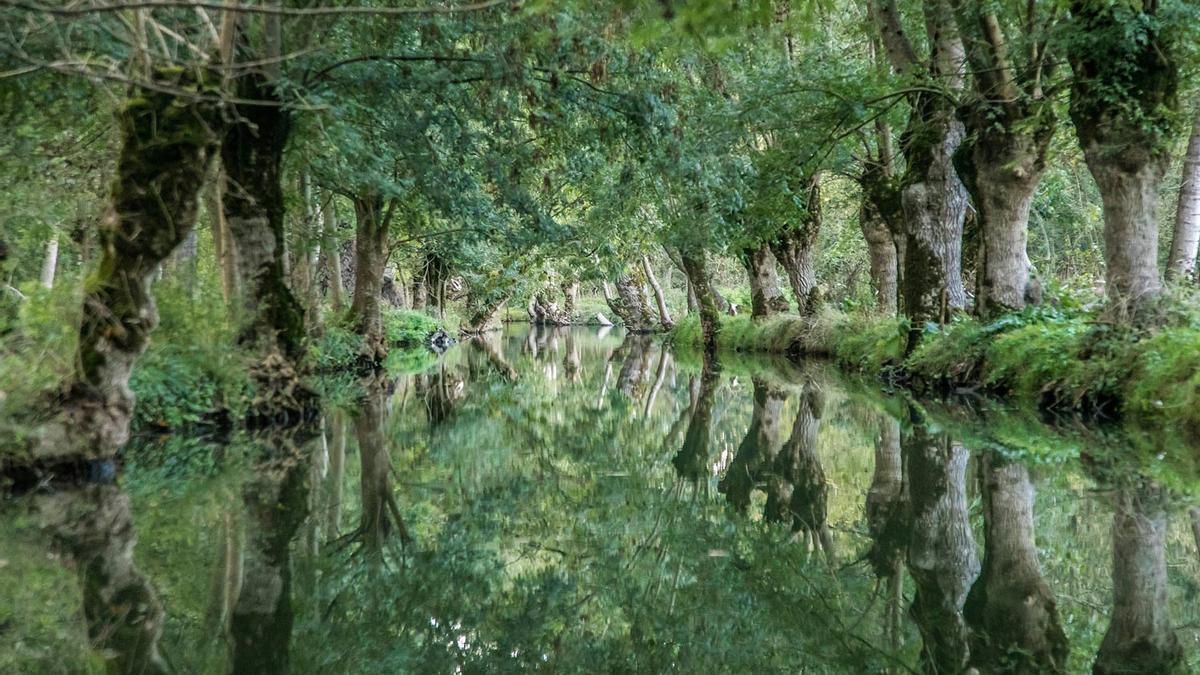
x=1062, y=358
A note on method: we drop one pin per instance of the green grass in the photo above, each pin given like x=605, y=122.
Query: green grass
x=1061, y=357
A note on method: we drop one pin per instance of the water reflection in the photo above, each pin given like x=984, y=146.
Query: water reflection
x=92, y=525
x=1010, y=609
x=519, y=507
x=942, y=557
x=1140, y=636
x=276, y=505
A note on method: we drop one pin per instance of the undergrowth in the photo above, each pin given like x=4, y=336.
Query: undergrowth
x=1059, y=356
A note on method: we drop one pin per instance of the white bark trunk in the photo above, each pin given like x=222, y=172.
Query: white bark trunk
x=1182, y=263
x=50, y=262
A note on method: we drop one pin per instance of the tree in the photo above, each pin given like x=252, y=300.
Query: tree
x=933, y=198
x=1124, y=98
x=1010, y=122
x=1182, y=261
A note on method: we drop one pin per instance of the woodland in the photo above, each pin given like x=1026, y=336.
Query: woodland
x=998, y=195
x=270, y=221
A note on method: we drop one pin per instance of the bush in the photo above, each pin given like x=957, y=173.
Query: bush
x=407, y=329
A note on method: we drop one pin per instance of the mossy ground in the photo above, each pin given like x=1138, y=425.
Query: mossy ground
x=1062, y=357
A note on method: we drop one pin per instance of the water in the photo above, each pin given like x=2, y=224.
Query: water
x=574, y=501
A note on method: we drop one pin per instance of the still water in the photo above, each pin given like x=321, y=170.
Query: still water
x=574, y=501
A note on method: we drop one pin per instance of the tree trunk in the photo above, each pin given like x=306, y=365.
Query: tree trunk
x=166, y=144
x=272, y=320
x=1010, y=609
x=794, y=248
x=881, y=250
x=370, y=240
x=251, y=154
x=664, y=314
x=1002, y=167
x=420, y=290
x=759, y=447
x=570, y=300
x=1139, y=638
x=483, y=317
x=223, y=247
x=331, y=250
x=932, y=198
x=1182, y=262
x=631, y=304
x=934, y=203
x=696, y=269
x=1123, y=99
x=765, y=296
x=50, y=262
x=941, y=551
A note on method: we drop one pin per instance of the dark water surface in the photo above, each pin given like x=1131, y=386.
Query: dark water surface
x=567, y=501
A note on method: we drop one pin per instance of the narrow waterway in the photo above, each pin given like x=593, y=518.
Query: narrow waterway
x=573, y=500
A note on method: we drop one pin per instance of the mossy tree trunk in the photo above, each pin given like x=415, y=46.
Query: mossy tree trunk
x=1123, y=99
x=633, y=306
x=696, y=268
x=370, y=244
x=881, y=251
x=251, y=154
x=795, y=249
x=485, y=308
x=1010, y=609
x=933, y=199
x=765, y=297
x=272, y=320
x=1011, y=123
x=166, y=144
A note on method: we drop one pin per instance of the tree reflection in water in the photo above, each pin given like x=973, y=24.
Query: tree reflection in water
x=1140, y=637
x=691, y=462
x=758, y=448
x=276, y=505
x=941, y=551
x=1010, y=609
x=797, y=491
x=888, y=522
x=92, y=525
x=553, y=535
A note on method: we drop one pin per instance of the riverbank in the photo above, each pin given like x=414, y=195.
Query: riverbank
x=1057, y=359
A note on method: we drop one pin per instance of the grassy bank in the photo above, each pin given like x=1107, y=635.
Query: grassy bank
x=1062, y=358
x=190, y=374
